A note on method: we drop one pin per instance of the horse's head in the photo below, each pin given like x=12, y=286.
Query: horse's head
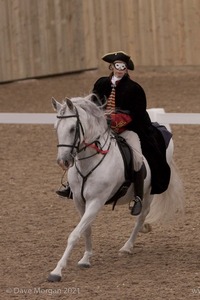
x=80, y=122
x=69, y=132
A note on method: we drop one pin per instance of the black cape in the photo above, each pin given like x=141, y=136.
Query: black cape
x=130, y=96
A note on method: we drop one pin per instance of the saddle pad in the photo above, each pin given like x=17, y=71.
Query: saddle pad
x=167, y=135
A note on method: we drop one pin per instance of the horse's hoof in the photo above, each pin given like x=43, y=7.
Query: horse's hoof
x=123, y=252
x=146, y=228
x=54, y=278
x=84, y=266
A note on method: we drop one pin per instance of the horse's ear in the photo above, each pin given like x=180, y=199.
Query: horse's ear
x=95, y=99
x=69, y=103
x=56, y=105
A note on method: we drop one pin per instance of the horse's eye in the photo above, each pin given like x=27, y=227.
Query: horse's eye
x=72, y=129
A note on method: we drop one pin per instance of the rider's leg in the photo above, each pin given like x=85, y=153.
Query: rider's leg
x=139, y=177
x=139, y=168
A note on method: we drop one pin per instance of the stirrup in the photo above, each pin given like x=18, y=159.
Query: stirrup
x=66, y=192
x=137, y=206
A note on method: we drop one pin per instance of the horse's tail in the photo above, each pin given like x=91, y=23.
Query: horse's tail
x=170, y=204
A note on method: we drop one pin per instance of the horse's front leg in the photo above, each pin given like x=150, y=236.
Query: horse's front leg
x=128, y=246
x=85, y=260
x=56, y=274
x=90, y=213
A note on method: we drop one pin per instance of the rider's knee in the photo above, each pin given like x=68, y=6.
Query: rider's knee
x=133, y=140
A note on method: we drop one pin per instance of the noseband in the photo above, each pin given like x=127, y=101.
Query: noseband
x=77, y=132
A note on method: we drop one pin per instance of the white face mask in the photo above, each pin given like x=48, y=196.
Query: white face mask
x=120, y=66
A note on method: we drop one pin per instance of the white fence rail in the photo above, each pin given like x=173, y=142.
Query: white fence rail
x=156, y=115
x=27, y=118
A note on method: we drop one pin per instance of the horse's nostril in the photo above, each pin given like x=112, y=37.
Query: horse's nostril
x=66, y=164
x=63, y=164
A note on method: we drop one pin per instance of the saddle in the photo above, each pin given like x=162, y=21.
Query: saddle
x=126, y=153
x=127, y=156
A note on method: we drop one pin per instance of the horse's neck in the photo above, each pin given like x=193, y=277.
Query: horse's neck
x=93, y=152
x=97, y=138
x=96, y=134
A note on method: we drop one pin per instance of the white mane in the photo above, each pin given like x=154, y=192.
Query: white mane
x=95, y=115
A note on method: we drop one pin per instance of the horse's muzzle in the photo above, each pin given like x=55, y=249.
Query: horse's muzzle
x=64, y=164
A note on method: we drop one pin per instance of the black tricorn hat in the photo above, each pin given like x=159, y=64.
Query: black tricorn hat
x=119, y=55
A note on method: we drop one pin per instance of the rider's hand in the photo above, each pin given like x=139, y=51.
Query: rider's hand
x=118, y=121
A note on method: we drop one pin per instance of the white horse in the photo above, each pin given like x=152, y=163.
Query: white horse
x=88, y=150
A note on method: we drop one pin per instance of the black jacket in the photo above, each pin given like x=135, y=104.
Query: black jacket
x=130, y=96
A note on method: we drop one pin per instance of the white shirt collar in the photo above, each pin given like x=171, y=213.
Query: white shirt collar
x=114, y=79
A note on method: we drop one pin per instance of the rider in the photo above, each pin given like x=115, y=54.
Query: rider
x=125, y=103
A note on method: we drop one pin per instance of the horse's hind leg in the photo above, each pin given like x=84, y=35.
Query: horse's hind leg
x=85, y=260
x=128, y=246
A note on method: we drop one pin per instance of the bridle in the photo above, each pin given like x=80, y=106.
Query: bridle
x=76, y=145
x=77, y=136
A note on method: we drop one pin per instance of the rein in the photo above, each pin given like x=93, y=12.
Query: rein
x=99, y=150
x=95, y=147
x=85, y=177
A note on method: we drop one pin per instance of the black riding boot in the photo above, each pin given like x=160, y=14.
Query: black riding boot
x=66, y=192
x=139, y=177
